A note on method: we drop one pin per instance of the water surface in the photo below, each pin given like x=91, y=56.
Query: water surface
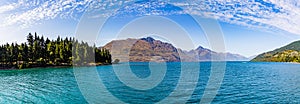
x=244, y=82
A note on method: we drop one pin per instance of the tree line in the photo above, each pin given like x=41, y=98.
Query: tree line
x=41, y=52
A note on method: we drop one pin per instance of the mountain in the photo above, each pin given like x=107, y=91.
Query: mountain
x=288, y=53
x=235, y=57
x=203, y=54
x=141, y=50
x=149, y=49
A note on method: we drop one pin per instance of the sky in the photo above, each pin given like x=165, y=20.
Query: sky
x=248, y=27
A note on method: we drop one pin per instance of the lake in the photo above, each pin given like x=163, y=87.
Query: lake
x=137, y=82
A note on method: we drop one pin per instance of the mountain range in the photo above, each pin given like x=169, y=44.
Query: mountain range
x=149, y=49
x=288, y=53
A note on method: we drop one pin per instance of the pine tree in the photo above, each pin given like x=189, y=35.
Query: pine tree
x=40, y=52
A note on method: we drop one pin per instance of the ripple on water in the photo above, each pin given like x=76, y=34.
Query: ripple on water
x=39, y=86
x=243, y=83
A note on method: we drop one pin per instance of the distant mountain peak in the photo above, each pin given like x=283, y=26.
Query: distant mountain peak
x=201, y=48
x=148, y=39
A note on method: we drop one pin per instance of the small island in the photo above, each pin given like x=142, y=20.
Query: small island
x=41, y=52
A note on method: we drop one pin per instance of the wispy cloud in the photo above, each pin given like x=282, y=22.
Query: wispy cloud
x=7, y=8
x=262, y=14
x=44, y=11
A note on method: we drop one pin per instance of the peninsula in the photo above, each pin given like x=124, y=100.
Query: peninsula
x=288, y=53
x=41, y=52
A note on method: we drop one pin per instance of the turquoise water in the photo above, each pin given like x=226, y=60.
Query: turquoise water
x=244, y=82
x=39, y=86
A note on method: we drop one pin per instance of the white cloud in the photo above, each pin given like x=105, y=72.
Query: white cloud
x=7, y=8
x=270, y=15
x=273, y=14
x=45, y=11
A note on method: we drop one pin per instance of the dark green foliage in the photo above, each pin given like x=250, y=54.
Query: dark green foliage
x=38, y=52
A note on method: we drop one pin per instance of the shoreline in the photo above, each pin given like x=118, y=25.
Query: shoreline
x=277, y=62
x=55, y=66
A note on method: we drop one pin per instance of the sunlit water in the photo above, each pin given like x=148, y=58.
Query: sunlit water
x=244, y=82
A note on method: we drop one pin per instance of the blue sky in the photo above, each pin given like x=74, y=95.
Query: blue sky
x=249, y=27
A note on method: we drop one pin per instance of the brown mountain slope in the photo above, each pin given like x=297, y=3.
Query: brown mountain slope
x=141, y=50
x=149, y=49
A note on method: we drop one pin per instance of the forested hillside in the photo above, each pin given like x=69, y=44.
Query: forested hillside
x=41, y=52
x=288, y=53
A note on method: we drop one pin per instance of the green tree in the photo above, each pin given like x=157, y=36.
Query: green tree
x=40, y=52
x=30, y=41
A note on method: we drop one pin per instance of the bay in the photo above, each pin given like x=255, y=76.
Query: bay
x=243, y=82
